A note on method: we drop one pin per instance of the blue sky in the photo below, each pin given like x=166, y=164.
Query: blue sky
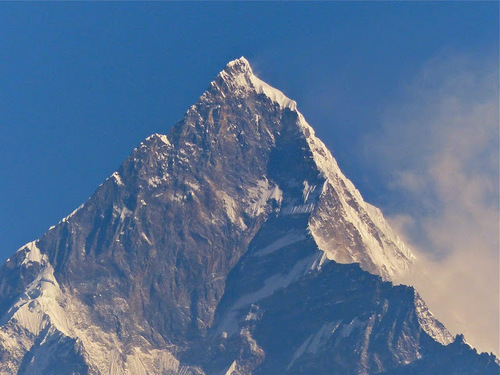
x=383, y=84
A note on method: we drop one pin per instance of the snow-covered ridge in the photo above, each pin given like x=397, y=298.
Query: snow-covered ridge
x=386, y=254
x=65, y=219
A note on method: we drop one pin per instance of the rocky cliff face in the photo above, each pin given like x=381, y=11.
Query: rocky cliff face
x=234, y=245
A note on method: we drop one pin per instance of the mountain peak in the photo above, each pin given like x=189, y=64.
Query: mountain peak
x=239, y=110
x=239, y=77
x=241, y=64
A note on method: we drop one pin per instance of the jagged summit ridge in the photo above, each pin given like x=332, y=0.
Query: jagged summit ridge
x=238, y=75
x=241, y=65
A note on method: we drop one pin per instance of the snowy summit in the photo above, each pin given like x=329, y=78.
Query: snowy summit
x=239, y=72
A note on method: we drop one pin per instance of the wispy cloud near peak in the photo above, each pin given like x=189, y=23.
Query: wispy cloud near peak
x=439, y=148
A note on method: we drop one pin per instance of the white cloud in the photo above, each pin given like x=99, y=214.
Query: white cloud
x=439, y=148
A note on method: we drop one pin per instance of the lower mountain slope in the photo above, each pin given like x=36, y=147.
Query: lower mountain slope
x=288, y=310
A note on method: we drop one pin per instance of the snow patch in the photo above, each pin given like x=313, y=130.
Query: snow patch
x=39, y=304
x=299, y=352
x=143, y=235
x=117, y=178
x=232, y=209
x=161, y=137
x=348, y=328
x=254, y=347
x=192, y=185
x=260, y=195
x=72, y=213
x=232, y=369
x=44, y=307
x=154, y=181
x=33, y=255
x=121, y=212
x=251, y=316
x=322, y=336
x=315, y=341
x=164, y=139
x=308, y=189
x=286, y=240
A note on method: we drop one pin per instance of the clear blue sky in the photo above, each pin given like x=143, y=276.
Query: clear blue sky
x=82, y=84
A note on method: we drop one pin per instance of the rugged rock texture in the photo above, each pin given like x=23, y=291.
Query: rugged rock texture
x=234, y=245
